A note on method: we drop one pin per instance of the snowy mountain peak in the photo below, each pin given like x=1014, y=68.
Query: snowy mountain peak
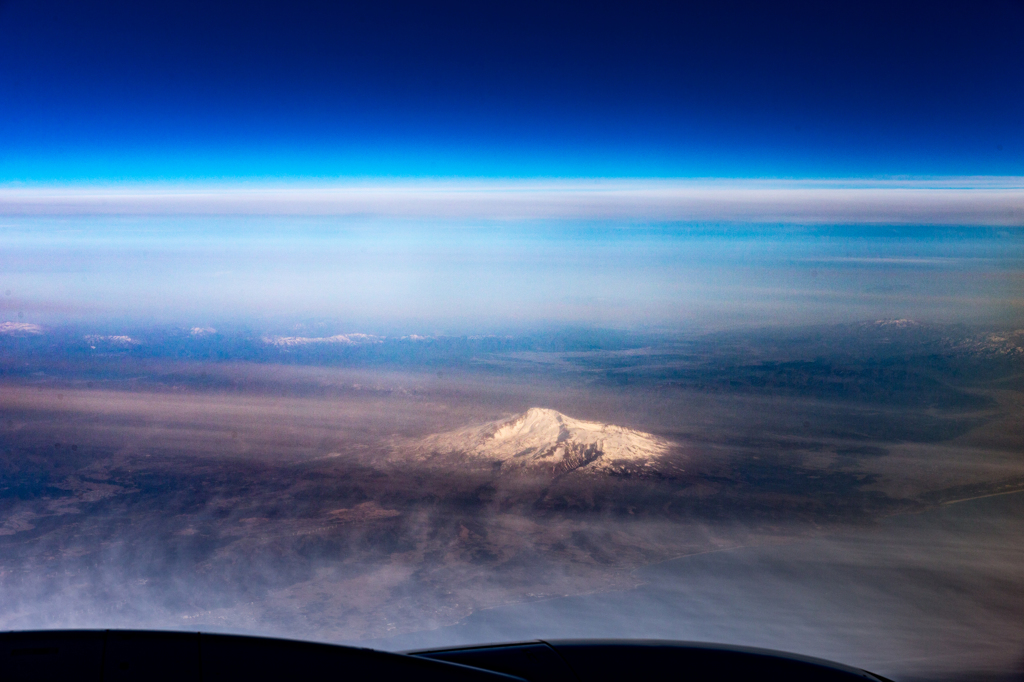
x=545, y=440
x=536, y=422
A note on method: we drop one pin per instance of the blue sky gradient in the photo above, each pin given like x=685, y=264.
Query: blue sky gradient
x=110, y=90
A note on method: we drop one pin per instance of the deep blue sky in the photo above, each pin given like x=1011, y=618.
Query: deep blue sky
x=111, y=90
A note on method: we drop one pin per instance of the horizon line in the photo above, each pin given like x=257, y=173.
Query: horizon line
x=943, y=200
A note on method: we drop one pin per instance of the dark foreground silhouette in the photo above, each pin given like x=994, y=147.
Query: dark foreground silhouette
x=153, y=656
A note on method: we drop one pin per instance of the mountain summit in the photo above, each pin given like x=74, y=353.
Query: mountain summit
x=545, y=440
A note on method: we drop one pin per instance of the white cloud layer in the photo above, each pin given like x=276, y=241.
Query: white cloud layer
x=946, y=201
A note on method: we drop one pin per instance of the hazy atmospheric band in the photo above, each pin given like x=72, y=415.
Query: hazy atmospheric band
x=964, y=203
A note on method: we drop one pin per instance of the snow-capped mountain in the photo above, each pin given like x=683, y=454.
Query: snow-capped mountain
x=546, y=441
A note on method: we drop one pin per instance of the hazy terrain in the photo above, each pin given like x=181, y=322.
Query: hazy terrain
x=414, y=324
x=236, y=481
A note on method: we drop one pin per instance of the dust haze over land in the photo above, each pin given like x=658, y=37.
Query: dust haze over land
x=225, y=481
